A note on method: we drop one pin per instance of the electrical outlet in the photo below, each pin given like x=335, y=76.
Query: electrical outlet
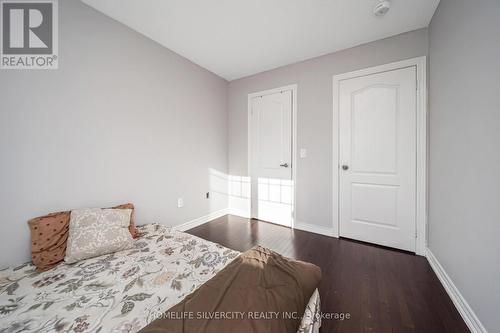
x=180, y=203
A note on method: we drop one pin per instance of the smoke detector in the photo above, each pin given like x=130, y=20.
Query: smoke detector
x=381, y=7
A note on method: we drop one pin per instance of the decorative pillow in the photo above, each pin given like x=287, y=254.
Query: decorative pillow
x=49, y=236
x=95, y=232
x=132, y=228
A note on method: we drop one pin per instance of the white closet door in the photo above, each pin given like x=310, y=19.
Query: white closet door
x=272, y=190
x=378, y=158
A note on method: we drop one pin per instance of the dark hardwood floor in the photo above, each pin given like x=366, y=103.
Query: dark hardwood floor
x=383, y=290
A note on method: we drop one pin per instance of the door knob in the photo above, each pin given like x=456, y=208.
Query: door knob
x=345, y=167
x=284, y=165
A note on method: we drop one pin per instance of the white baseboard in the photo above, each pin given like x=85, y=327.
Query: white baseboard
x=314, y=228
x=461, y=304
x=239, y=212
x=201, y=220
x=298, y=225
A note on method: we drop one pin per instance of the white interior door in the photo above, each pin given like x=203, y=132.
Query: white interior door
x=377, y=119
x=271, y=149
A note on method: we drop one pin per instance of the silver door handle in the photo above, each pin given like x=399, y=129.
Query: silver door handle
x=284, y=165
x=345, y=167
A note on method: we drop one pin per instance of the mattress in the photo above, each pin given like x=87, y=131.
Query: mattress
x=120, y=292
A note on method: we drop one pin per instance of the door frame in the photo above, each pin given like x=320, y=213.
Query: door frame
x=293, y=88
x=421, y=177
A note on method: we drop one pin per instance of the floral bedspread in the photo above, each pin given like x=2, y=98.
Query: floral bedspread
x=120, y=292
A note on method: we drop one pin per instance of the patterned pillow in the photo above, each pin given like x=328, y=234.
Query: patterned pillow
x=95, y=232
x=132, y=228
x=49, y=235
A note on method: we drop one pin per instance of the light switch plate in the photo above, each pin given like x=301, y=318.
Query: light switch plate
x=303, y=153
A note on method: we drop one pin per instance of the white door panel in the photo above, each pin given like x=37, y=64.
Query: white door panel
x=271, y=149
x=377, y=115
x=374, y=127
x=272, y=131
x=375, y=204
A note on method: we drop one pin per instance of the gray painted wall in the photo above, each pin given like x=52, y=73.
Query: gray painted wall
x=464, y=215
x=123, y=119
x=314, y=108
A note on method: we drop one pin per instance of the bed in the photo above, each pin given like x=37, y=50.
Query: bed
x=120, y=292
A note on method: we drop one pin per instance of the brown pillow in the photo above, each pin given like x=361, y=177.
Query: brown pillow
x=49, y=236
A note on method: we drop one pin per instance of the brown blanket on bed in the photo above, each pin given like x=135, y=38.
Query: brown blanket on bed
x=259, y=291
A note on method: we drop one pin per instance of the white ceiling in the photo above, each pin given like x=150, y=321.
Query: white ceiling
x=237, y=38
